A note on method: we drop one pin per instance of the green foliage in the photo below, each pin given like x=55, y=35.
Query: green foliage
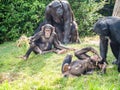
x=86, y=14
x=23, y=16
x=20, y=17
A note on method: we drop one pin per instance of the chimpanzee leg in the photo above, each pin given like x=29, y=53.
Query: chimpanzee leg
x=74, y=37
x=115, y=50
x=74, y=33
x=28, y=52
x=119, y=60
x=66, y=62
x=35, y=49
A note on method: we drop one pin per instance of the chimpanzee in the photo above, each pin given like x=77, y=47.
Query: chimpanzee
x=60, y=15
x=44, y=41
x=85, y=63
x=108, y=28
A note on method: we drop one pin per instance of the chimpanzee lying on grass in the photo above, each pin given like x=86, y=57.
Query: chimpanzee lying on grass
x=85, y=63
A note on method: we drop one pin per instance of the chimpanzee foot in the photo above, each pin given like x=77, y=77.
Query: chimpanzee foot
x=115, y=62
x=24, y=57
x=103, y=61
x=78, y=41
x=62, y=51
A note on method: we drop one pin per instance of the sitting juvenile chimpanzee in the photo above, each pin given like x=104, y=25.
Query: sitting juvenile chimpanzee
x=85, y=63
x=108, y=28
x=44, y=41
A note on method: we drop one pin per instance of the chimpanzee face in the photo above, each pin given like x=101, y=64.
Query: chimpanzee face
x=47, y=33
x=56, y=11
x=59, y=11
x=56, y=6
x=96, y=58
x=101, y=28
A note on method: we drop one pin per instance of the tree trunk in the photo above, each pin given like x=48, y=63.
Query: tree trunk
x=116, y=10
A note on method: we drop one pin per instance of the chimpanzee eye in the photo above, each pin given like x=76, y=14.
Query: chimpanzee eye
x=59, y=11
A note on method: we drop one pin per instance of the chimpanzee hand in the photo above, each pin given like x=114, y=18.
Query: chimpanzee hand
x=118, y=66
x=30, y=39
x=103, y=61
x=93, y=51
x=72, y=49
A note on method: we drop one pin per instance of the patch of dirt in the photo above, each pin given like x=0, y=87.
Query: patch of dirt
x=92, y=40
x=10, y=76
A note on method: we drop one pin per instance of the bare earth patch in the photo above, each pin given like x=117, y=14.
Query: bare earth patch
x=91, y=40
x=10, y=77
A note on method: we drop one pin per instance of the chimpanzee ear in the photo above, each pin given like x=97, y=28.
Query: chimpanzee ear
x=42, y=28
x=50, y=5
x=104, y=25
x=53, y=29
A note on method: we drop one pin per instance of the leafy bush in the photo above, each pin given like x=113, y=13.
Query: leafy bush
x=23, y=16
x=20, y=17
x=86, y=14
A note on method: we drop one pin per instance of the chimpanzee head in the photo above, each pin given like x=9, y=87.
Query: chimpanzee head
x=56, y=6
x=48, y=30
x=96, y=58
x=101, y=27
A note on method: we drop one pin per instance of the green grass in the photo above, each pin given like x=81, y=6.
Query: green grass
x=43, y=72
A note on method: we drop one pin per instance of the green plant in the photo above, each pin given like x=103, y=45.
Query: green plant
x=86, y=14
x=20, y=17
x=23, y=16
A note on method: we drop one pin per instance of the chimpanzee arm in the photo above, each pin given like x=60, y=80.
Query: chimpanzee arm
x=67, y=60
x=47, y=20
x=119, y=61
x=67, y=22
x=36, y=36
x=103, y=47
x=57, y=43
x=48, y=15
x=81, y=54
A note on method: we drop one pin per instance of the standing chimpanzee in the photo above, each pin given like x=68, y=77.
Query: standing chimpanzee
x=60, y=15
x=44, y=41
x=85, y=63
x=109, y=28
